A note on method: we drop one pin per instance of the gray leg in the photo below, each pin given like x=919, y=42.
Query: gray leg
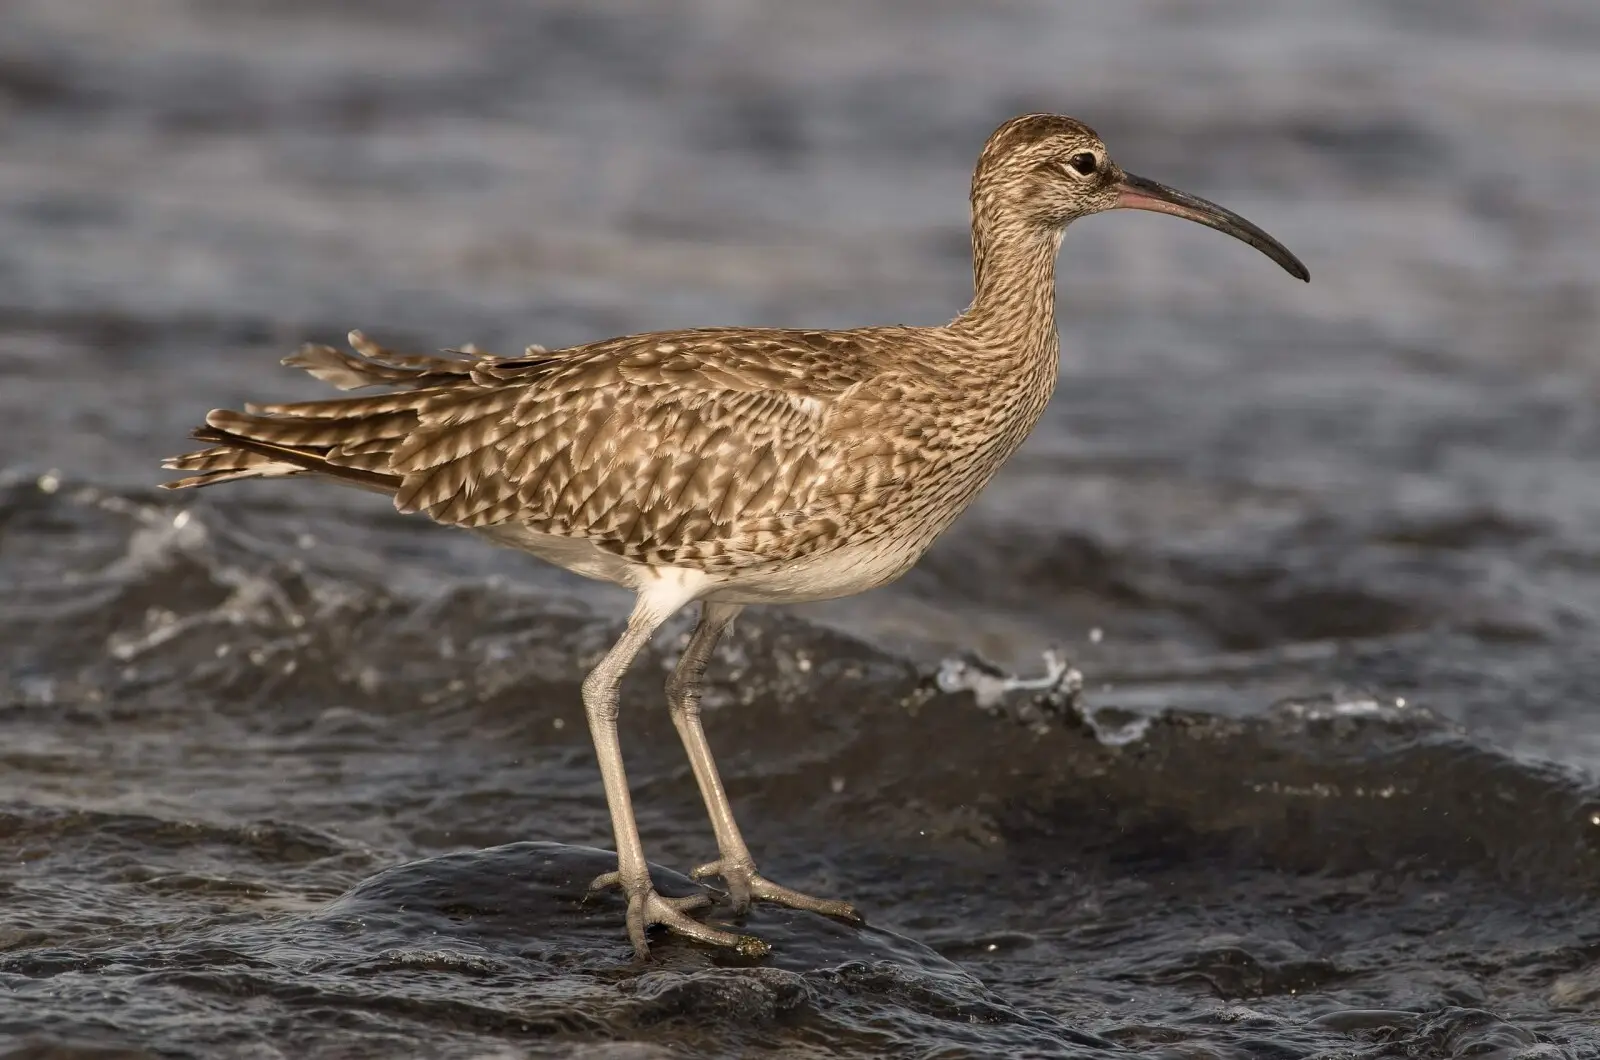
x=735, y=866
x=645, y=906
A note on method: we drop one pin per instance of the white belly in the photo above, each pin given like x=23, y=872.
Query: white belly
x=839, y=572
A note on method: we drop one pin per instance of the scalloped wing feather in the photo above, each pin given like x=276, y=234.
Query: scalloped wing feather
x=710, y=448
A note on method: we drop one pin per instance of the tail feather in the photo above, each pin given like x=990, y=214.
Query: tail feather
x=264, y=459
x=374, y=365
x=338, y=408
x=217, y=458
x=224, y=464
x=359, y=424
x=351, y=439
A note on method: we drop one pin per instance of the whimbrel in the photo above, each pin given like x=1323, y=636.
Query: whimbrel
x=729, y=466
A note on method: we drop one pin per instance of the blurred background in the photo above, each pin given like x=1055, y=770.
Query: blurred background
x=1377, y=489
x=189, y=190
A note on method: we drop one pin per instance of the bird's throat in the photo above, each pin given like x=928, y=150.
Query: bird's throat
x=1014, y=286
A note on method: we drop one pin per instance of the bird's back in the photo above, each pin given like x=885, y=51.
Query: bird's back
x=716, y=449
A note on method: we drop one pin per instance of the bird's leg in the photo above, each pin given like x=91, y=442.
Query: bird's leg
x=735, y=866
x=645, y=906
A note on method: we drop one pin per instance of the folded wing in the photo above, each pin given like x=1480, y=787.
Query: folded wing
x=710, y=448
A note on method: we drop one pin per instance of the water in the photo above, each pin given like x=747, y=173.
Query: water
x=284, y=774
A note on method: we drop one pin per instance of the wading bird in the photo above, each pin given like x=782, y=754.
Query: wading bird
x=729, y=466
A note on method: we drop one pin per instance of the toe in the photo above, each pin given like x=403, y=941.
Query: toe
x=638, y=914
x=843, y=911
x=689, y=903
x=604, y=882
x=706, y=871
x=647, y=909
x=667, y=913
x=735, y=878
x=746, y=885
x=767, y=891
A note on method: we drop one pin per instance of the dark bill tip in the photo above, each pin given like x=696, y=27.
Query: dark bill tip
x=1138, y=193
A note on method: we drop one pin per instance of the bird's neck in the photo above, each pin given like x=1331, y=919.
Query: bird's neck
x=1014, y=286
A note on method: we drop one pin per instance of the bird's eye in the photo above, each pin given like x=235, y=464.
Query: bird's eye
x=1084, y=163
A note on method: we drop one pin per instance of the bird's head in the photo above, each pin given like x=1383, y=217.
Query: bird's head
x=1045, y=170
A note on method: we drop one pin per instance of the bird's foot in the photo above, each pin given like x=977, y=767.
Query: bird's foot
x=647, y=908
x=745, y=885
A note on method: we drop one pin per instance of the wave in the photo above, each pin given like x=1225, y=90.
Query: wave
x=228, y=610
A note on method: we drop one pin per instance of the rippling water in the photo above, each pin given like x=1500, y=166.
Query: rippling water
x=284, y=774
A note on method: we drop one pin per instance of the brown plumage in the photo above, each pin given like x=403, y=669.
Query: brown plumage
x=724, y=465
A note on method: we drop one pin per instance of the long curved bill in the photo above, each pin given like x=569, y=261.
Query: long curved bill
x=1137, y=193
